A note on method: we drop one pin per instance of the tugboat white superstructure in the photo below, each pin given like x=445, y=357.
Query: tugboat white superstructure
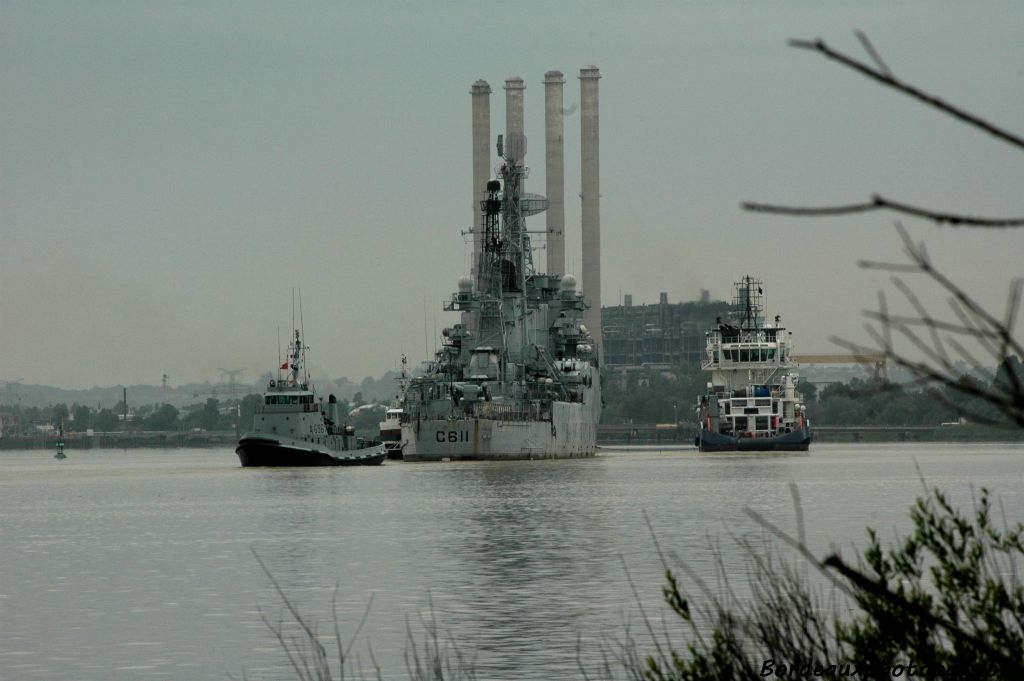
x=291, y=428
x=751, y=403
x=517, y=378
x=391, y=426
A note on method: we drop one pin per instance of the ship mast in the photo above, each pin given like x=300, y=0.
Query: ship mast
x=506, y=258
x=296, y=359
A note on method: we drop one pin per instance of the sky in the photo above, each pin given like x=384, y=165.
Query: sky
x=170, y=172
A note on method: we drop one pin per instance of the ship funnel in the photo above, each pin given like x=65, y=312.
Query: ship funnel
x=332, y=408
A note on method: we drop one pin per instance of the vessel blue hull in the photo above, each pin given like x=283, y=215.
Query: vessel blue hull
x=262, y=451
x=795, y=441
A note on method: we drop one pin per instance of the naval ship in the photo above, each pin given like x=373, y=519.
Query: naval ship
x=751, y=403
x=517, y=377
x=292, y=427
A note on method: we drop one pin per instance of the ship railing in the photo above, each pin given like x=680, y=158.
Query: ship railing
x=500, y=412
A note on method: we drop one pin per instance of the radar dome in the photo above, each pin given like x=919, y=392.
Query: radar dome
x=465, y=284
x=568, y=283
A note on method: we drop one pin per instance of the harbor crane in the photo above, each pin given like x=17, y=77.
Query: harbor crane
x=875, y=361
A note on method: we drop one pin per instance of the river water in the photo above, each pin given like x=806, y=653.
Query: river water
x=139, y=564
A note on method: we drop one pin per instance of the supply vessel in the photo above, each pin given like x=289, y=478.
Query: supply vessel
x=751, y=402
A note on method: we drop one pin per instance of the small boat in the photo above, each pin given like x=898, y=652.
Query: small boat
x=60, y=443
x=292, y=427
x=391, y=426
x=751, y=403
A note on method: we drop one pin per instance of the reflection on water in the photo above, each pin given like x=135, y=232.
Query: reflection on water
x=138, y=564
x=530, y=531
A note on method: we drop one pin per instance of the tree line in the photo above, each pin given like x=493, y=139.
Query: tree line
x=211, y=415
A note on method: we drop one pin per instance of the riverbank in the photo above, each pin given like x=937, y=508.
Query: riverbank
x=123, y=440
x=608, y=434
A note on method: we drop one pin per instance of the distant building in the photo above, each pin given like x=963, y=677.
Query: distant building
x=660, y=335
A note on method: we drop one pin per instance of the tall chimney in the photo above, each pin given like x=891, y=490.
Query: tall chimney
x=555, y=170
x=591, y=211
x=481, y=98
x=514, y=87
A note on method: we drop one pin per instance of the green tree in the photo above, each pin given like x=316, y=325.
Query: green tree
x=247, y=409
x=82, y=415
x=59, y=413
x=808, y=390
x=210, y=417
x=946, y=600
x=105, y=420
x=164, y=418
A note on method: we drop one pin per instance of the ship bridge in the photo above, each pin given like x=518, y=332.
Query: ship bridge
x=728, y=348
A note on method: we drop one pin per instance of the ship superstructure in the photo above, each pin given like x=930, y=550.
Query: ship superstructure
x=517, y=377
x=751, y=403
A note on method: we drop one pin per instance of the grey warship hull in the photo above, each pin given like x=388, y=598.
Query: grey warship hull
x=570, y=433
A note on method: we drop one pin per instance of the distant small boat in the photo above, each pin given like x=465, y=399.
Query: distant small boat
x=290, y=427
x=60, y=443
x=391, y=426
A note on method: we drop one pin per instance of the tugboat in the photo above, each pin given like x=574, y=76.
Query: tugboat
x=391, y=426
x=291, y=428
x=518, y=377
x=751, y=403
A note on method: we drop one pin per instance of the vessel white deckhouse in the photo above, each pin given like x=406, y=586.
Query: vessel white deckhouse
x=517, y=378
x=751, y=403
x=391, y=426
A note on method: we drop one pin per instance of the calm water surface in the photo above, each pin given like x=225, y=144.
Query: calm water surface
x=139, y=564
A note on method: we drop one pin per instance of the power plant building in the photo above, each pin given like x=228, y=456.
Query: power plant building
x=661, y=335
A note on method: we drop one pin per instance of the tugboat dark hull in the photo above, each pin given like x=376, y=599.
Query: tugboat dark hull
x=794, y=441
x=394, y=450
x=263, y=451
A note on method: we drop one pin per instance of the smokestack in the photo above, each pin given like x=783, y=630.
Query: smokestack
x=591, y=212
x=481, y=98
x=514, y=87
x=555, y=170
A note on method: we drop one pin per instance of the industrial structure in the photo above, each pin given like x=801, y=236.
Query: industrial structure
x=590, y=179
x=481, y=98
x=554, y=170
x=661, y=335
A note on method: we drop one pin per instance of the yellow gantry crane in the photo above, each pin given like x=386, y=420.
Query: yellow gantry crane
x=876, y=361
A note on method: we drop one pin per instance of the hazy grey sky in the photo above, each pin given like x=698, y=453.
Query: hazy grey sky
x=169, y=171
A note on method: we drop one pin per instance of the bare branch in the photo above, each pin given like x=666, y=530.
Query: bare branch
x=887, y=79
x=881, y=203
x=873, y=53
